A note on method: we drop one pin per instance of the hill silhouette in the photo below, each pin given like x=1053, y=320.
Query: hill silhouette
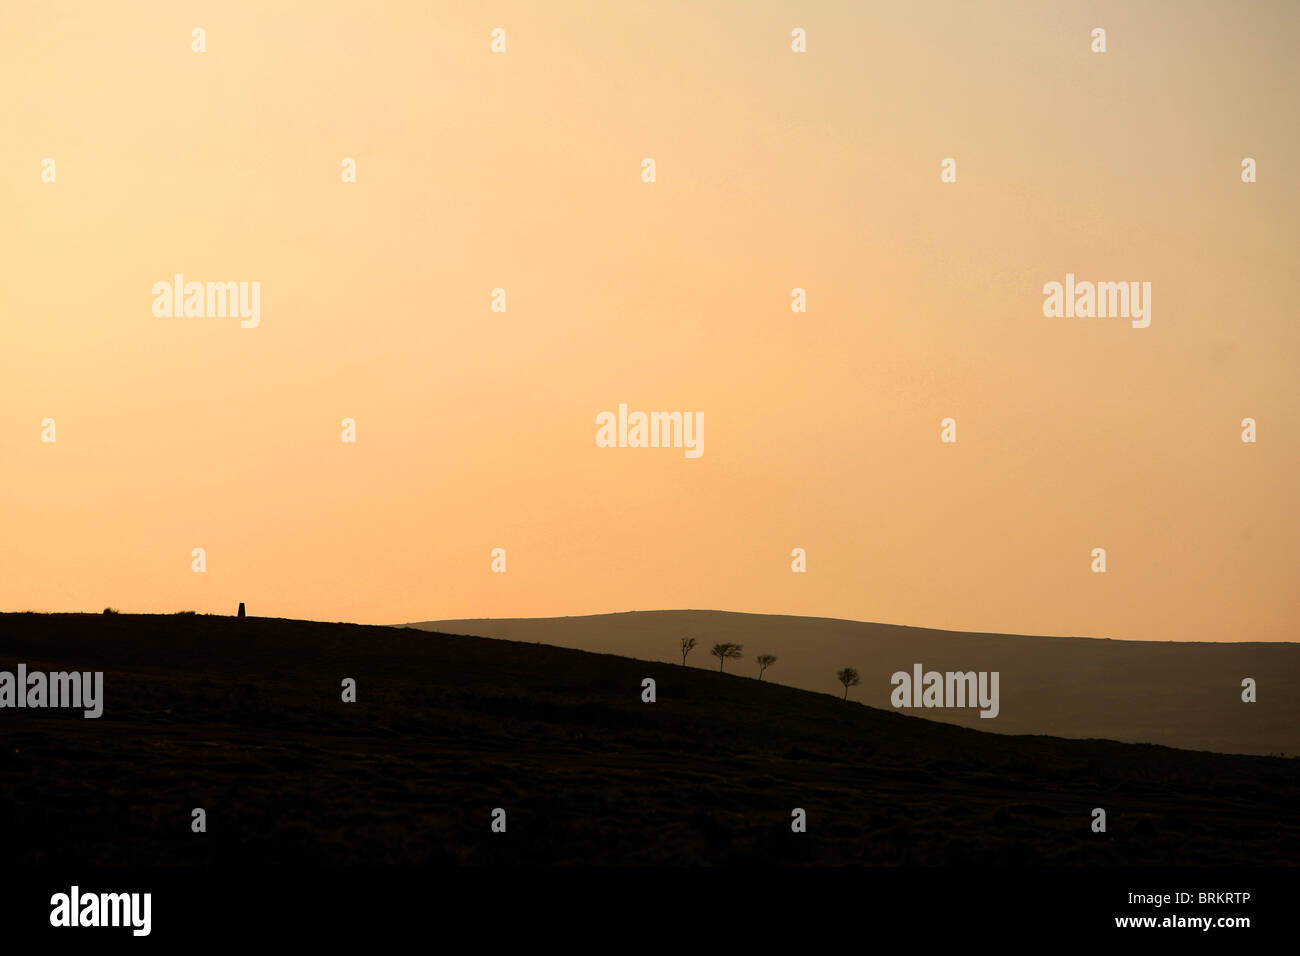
x=1184, y=695
x=244, y=718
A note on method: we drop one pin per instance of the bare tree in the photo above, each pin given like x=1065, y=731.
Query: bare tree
x=764, y=662
x=849, y=678
x=688, y=645
x=726, y=650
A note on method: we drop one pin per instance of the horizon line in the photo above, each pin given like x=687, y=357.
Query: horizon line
x=562, y=617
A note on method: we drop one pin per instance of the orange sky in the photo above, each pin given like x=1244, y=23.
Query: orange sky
x=522, y=170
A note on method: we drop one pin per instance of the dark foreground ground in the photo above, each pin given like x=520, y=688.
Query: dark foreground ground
x=244, y=718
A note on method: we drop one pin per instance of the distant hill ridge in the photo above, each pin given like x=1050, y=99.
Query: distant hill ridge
x=1177, y=694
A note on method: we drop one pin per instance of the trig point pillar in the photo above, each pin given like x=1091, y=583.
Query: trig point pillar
x=241, y=608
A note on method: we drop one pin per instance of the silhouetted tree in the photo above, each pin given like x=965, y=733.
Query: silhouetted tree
x=764, y=662
x=726, y=650
x=688, y=645
x=849, y=678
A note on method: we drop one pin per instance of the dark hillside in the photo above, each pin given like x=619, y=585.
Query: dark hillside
x=244, y=718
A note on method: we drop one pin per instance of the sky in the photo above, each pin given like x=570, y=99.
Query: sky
x=522, y=170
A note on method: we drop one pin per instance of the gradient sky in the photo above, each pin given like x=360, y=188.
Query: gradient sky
x=775, y=170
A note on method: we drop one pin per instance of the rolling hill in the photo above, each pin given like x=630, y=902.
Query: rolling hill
x=1176, y=694
x=245, y=719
